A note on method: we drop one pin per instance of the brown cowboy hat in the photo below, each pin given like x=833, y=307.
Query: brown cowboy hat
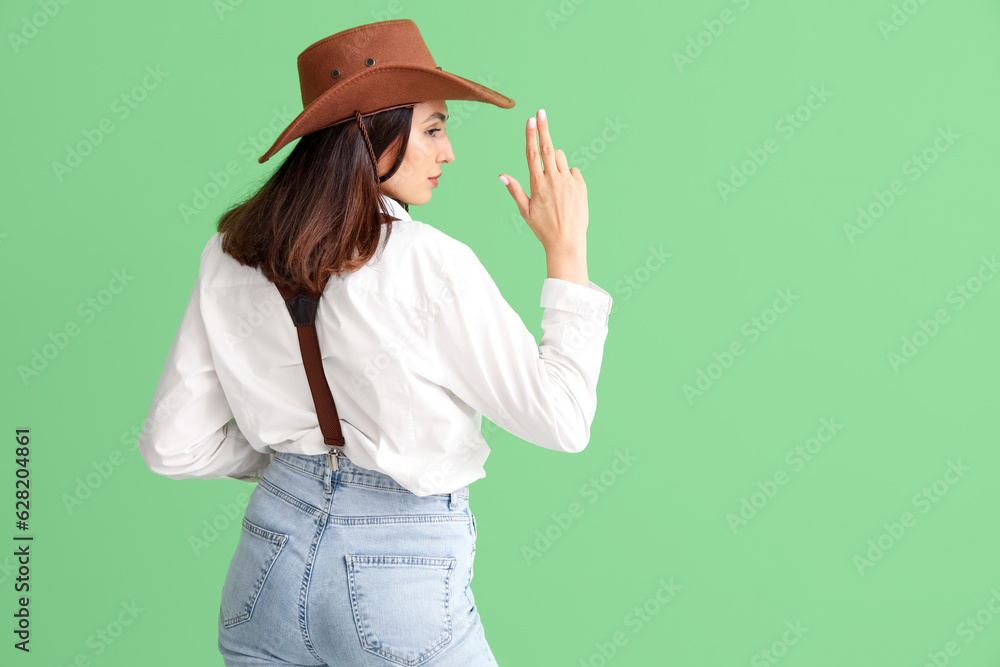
x=371, y=68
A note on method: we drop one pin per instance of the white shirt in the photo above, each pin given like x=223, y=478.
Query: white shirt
x=417, y=346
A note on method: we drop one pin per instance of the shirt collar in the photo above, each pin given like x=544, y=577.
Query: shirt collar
x=394, y=208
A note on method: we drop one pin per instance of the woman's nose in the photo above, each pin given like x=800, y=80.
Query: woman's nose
x=448, y=155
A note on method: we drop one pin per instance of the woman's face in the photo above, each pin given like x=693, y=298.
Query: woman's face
x=427, y=149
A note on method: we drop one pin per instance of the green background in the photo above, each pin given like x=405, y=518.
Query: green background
x=661, y=137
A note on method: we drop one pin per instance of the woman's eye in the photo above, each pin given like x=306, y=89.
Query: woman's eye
x=436, y=129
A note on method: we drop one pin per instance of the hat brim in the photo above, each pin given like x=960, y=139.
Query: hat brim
x=382, y=88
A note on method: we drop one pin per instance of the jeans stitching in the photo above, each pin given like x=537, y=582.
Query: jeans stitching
x=278, y=541
x=395, y=518
x=306, y=584
x=298, y=468
x=448, y=564
x=443, y=514
x=288, y=498
x=459, y=493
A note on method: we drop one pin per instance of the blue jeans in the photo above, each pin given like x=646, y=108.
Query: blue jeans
x=347, y=568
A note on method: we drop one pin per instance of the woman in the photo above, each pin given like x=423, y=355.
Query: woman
x=366, y=558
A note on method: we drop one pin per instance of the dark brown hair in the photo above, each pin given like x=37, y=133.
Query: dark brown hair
x=318, y=214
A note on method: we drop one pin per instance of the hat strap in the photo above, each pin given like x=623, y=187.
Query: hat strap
x=371, y=150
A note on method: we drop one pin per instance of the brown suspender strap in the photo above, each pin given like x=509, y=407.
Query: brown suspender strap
x=302, y=307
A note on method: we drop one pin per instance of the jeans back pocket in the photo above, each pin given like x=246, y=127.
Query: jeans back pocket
x=401, y=605
x=256, y=552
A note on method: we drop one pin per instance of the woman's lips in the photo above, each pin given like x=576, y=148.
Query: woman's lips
x=434, y=182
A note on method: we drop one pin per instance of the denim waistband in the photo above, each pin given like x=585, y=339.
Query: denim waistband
x=350, y=472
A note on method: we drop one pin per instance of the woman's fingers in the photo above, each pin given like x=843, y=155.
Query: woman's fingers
x=545, y=141
x=517, y=192
x=557, y=210
x=561, y=160
x=531, y=150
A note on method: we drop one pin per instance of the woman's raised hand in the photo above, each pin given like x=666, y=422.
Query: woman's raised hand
x=557, y=210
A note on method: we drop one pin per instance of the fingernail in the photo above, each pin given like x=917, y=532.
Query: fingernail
x=503, y=179
x=541, y=114
x=531, y=122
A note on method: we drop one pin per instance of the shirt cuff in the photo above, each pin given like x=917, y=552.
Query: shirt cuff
x=588, y=300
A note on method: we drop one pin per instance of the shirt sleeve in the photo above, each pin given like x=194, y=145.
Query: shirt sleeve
x=190, y=431
x=543, y=393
